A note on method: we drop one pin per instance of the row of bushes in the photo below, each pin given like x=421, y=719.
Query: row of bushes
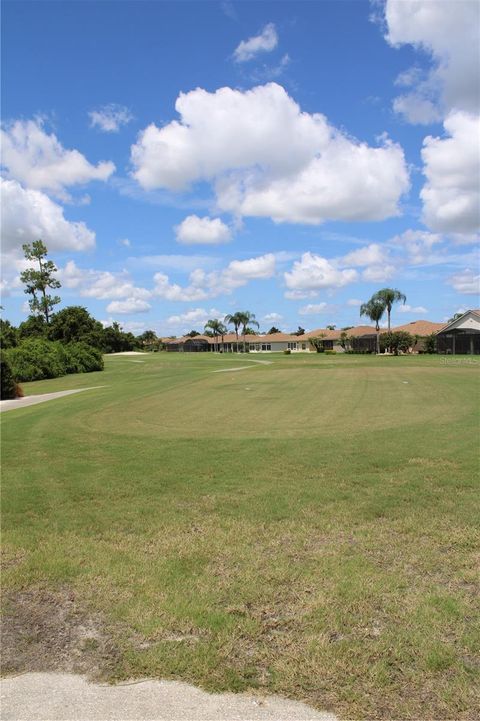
x=36, y=359
x=70, y=325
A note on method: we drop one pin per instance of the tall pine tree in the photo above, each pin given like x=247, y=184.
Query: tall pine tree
x=38, y=280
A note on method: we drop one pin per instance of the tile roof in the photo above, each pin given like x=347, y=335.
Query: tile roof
x=325, y=333
x=420, y=327
x=361, y=330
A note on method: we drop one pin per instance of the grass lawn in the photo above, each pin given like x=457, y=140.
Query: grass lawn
x=308, y=528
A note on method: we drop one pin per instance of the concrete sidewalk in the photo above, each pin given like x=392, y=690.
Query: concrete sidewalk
x=11, y=405
x=68, y=697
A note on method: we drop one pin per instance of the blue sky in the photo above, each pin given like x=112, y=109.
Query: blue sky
x=184, y=160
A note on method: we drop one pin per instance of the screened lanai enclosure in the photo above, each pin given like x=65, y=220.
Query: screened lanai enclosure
x=459, y=341
x=461, y=336
x=188, y=345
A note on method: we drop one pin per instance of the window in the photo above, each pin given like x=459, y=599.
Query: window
x=292, y=346
x=266, y=346
x=304, y=346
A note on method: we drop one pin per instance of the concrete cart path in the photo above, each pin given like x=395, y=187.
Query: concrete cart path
x=68, y=697
x=11, y=405
x=242, y=368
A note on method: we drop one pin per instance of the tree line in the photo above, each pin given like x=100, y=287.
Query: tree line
x=49, y=344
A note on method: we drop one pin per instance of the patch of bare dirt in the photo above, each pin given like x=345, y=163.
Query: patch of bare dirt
x=48, y=631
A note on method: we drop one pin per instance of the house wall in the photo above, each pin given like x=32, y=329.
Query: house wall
x=266, y=346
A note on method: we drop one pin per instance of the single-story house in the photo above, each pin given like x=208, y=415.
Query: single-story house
x=278, y=342
x=197, y=344
x=462, y=335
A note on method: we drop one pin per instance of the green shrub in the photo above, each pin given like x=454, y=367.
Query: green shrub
x=35, y=359
x=287, y=351
x=330, y=352
x=83, y=358
x=8, y=385
x=398, y=341
x=430, y=343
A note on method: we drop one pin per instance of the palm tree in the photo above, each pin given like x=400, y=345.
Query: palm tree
x=374, y=309
x=222, y=329
x=388, y=296
x=236, y=321
x=217, y=329
x=247, y=319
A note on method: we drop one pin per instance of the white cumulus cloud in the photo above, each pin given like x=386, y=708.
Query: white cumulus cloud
x=129, y=305
x=411, y=309
x=28, y=215
x=203, y=284
x=466, y=282
x=265, y=157
x=110, y=118
x=202, y=231
x=417, y=245
x=372, y=254
x=450, y=33
x=101, y=284
x=39, y=160
x=378, y=273
x=451, y=195
x=312, y=273
x=173, y=291
x=195, y=316
x=313, y=309
x=272, y=317
x=263, y=43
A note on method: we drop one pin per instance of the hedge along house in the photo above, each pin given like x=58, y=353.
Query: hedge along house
x=420, y=330
x=461, y=335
